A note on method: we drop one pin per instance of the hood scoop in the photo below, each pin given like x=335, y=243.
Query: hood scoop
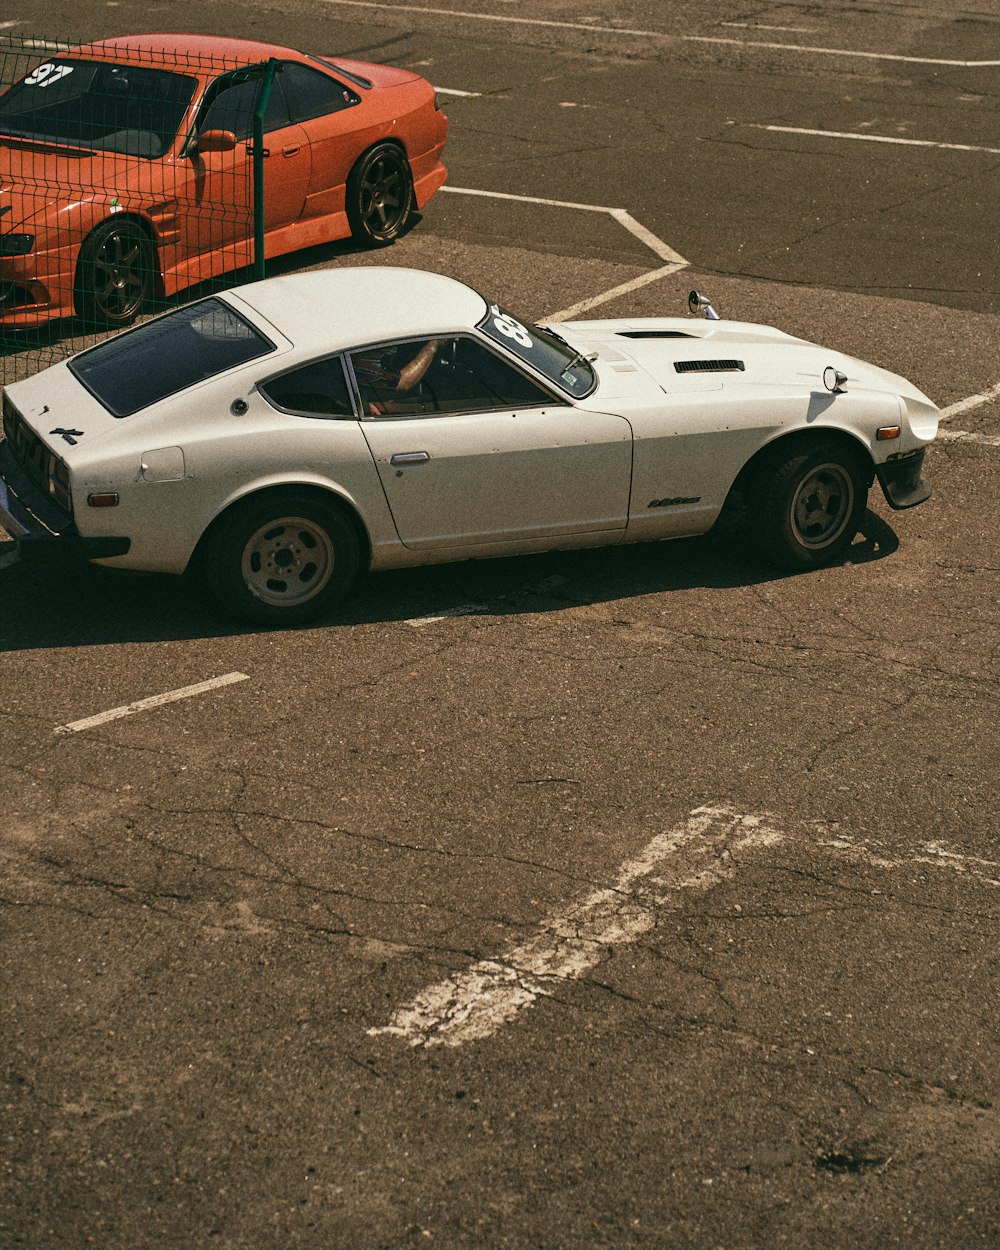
x=709, y=366
x=655, y=334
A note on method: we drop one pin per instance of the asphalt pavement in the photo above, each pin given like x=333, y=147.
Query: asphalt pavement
x=630, y=898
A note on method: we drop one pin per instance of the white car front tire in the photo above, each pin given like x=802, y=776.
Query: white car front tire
x=808, y=504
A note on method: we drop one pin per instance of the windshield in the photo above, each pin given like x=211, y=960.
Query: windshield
x=541, y=347
x=167, y=355
x=100, y=105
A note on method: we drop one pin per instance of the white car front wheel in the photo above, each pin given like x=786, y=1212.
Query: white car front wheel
x=808, y=504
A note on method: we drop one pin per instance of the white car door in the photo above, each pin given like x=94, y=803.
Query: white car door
x=473, y=451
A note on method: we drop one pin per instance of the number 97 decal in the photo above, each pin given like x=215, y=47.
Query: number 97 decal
x=45, y=75
x=506, y=324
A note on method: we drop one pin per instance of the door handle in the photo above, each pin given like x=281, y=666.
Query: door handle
x=292, y=150
x=410, y=457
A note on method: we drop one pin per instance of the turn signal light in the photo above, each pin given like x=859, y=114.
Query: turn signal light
x=108, y=500
x=886, y=432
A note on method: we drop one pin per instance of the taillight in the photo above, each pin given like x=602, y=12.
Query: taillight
x=59, y=484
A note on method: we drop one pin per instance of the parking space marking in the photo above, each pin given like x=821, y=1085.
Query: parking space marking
x=973, y=401
x=584, y=305
x=467, y=609
x=668, y=36
x=699, y=853
x=787, y=30
x=932, y=854
x=893, y=139
x=968, y=436
x=969, y=405
x=621, y=215
x=156, y=700
x=544, y=587
x=474, y=1004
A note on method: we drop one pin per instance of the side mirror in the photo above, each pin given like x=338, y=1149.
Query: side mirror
x=213, y=141
x=701, y=303
x=834, y=380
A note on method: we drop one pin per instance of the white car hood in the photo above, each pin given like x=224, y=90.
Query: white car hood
x=683, y=356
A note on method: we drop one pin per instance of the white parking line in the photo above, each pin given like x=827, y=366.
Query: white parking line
x=785, y=30
x=969, y=405
x=466, y=609
x=968, y=436
x=974, y=401
x=156, y=700
x=624, y=218
x=892, y=139
x=544, y=587
x=574, y=310
x=668, y=36
x=696, y=855
x=621, y=215
x=933, y=854
x=474, y=1004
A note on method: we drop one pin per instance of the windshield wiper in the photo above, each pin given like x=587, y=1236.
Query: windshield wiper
x=555, y=334
x=579, y=358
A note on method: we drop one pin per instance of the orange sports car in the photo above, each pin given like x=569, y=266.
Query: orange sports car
x=127, y=167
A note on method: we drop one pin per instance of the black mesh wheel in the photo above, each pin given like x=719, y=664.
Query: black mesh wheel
x=116, y=274
x=379, y=195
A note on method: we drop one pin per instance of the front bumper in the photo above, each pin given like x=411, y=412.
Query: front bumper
x=901, y=482
x=42, y=530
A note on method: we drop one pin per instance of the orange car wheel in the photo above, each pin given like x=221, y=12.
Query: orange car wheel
x=116, y=274
x=380, y=195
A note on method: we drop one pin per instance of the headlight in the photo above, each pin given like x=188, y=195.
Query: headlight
x=16, y=244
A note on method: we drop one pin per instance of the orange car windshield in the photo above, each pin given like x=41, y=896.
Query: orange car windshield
x=101, y=105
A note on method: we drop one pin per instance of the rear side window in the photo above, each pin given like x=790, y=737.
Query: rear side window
x=312, y=94
x=165, y=356
x=318, y=389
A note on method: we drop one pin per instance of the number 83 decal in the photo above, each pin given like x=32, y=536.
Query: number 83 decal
x=507, y=325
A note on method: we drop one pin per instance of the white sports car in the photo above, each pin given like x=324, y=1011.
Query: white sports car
x=285, y=435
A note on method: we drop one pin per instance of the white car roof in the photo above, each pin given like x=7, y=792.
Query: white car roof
x=332, y=309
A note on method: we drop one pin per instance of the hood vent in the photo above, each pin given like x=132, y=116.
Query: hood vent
x=655, y=334
x=709, y=366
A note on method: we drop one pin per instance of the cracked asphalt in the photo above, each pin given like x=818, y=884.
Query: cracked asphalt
x=211, y=911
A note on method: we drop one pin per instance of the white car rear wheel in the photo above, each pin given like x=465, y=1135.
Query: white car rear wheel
x=282, y=559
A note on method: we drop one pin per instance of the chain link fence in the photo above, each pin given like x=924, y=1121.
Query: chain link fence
x=131, y=176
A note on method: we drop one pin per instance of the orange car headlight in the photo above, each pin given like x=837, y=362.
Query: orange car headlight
x=16, y=244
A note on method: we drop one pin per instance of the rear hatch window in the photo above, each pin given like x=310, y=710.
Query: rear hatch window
x=167, y=355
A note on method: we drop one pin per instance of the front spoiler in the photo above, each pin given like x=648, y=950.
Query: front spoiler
x=901, y=482
x=43, y=532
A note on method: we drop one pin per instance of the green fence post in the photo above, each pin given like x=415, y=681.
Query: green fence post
x=270, y=69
